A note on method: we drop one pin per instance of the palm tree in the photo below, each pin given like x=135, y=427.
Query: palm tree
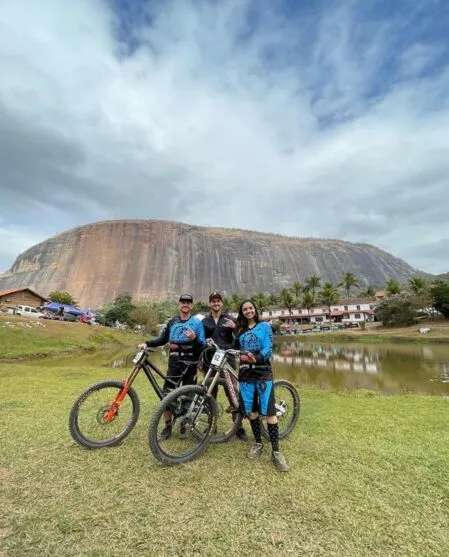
x=392, y=287
x=312, y=283
x=287, y=299
x=348, y=281
x=273, y=299
x=308, y=301
x=227, y=303
x=329, y=296
x=260, y=300
x=417, y=284
x=368, y=292
x=296, y=288
x=236, y=300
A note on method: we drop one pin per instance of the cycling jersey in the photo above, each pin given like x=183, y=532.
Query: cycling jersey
x=259, y=341
x=181, y=347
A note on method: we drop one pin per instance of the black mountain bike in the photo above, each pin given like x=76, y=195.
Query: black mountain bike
x=209, y=413
x=105, y=413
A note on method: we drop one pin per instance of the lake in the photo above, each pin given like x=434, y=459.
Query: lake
x=386, y=368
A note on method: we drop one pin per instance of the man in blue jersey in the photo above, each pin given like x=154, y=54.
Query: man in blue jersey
x=185, y=335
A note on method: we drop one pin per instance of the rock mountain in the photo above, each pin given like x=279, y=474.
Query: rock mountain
x=159, y=259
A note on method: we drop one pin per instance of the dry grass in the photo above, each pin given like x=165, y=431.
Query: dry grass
x=368, y=478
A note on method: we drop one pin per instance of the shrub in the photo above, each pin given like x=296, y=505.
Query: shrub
x=440, y=297
x=398, y=312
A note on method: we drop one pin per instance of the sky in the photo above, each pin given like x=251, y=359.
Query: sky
x=312, y=118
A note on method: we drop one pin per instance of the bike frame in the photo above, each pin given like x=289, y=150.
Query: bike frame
x=225, y=370
x=141, y=361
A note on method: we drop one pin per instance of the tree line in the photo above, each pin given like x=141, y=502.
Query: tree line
x=418, y=292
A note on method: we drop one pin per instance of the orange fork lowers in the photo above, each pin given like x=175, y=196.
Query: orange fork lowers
x=112, y=410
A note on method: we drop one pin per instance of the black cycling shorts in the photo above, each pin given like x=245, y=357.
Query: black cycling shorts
x=175, y=374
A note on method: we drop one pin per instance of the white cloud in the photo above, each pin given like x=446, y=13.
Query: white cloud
x=292, y=127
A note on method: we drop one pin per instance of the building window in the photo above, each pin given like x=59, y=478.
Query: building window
x=270, y=313
x=357, y=307
x=371, y=306
x=357, y=316
x=345, y=308
x=318, y=319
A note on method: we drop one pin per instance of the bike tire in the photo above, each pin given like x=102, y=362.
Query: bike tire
x=178, y=401
x=82, y=417
x=290, y=412
x=227, y=422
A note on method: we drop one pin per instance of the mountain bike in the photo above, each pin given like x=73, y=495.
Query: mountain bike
x=105, y=413
x=209, y=413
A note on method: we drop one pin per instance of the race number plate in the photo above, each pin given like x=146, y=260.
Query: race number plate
x=218, y=358
x=137, y=356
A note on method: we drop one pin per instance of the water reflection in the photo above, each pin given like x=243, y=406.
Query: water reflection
x=386, y=368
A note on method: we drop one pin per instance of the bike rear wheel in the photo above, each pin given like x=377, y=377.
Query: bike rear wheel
x=97, y=421
x=288, y=407
x=229, y=419
x=194, y=417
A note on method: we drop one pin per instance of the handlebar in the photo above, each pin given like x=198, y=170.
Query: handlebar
x=232, y=351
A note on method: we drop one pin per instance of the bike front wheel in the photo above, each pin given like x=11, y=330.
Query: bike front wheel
x=288, y=407
x=99, y=418
x=191, y=417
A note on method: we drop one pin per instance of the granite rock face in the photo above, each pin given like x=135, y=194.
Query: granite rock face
x=159, y=259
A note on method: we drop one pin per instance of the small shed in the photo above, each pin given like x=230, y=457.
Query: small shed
x=13, y=297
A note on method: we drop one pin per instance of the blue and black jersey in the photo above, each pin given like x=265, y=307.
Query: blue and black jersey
x=259, y=341
x=181, y=347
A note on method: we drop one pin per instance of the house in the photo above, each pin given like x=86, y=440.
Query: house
x=13, y=297
x=352, y=310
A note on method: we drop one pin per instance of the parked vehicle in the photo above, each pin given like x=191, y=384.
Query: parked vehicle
x=28, y=311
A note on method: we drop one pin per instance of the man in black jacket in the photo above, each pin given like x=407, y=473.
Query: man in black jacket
x=219, y=326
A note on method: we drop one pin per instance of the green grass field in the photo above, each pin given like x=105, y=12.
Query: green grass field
x=375, y=334
x=22, y=337
x=369, y=477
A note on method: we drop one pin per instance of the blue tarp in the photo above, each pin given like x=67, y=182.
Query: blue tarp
x=54, y=306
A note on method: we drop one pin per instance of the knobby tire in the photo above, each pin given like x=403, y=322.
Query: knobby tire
x=202, y=439
x=76, y=429
x=286, y=422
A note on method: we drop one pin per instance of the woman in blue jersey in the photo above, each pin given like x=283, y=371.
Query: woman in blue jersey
x=255, y=337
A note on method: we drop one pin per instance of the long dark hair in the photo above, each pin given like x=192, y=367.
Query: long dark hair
x=242, y=321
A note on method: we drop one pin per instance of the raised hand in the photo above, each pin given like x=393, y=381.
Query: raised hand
x=190, y=334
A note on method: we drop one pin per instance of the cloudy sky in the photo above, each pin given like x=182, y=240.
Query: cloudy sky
x=307, y=118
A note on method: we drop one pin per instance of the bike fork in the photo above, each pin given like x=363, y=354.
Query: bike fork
x=113, y=408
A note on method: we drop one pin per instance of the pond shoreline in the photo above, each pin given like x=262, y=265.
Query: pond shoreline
x=438, y=333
